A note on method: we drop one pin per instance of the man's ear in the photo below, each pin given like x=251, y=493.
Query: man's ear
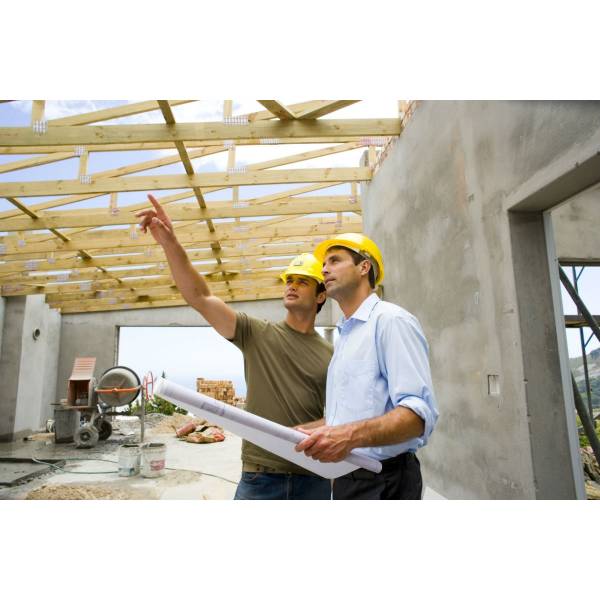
x=365, y=265
x=321, y=297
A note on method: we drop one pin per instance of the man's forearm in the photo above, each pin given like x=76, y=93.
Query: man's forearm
x=311, y=424
x=189, y=282
x=395, y=427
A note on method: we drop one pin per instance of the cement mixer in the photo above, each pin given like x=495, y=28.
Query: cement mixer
x=116, y=387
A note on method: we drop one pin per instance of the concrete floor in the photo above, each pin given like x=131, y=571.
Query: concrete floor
x=190, y=470
x=187, y=475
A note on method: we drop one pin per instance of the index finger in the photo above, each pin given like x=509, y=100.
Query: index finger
x=160, y=211
x=305, y=444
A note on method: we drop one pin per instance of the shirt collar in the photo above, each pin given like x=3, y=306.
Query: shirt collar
x=363, y=312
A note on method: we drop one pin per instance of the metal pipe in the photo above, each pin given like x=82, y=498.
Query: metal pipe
x=586, y=371
x=587, y=315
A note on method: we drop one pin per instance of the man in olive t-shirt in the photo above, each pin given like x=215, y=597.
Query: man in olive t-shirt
x=285, y=363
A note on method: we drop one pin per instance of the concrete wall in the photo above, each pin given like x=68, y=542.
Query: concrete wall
x=576, y=225
x=455, y=259
x=95, y=334
x=28, y=366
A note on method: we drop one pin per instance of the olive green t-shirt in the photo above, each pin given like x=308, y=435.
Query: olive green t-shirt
x=286, y=372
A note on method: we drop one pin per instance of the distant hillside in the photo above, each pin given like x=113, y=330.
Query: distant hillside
x=576, y=365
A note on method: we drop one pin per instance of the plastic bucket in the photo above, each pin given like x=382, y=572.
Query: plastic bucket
x=153, y=459
x=129, y=460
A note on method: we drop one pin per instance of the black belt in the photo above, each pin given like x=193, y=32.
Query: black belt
x=256, y=468
x=389, y=464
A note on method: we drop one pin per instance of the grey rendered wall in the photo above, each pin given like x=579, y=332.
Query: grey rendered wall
x=576, y=227
x=436, y=209
x=95, y=334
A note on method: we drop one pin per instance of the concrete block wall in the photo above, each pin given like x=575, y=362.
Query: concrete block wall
x=28, y=365
x=436, y=209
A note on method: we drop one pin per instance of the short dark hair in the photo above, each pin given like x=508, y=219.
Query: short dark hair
x=320, y=288
x=357, y=259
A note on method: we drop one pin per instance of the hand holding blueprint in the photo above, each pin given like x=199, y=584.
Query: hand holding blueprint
x=264, y=433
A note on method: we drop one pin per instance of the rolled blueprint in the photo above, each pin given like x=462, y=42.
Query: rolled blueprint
x=260, y=431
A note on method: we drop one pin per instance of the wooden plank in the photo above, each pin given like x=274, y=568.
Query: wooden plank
x=127, y=170
x=35, y=162
x=38, y=149
x=331, y=106
x=226, y=232
x=278, y=109
x=154, y=254
x=198, y=132
x=106, y=114
x=227, y=297
x=23, y=209
x=37, y=111
x=169, y=160
x=181, y=149
x=169, y=182
x=183, y=212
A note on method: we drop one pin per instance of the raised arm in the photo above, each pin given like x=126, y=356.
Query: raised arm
x=191, y=284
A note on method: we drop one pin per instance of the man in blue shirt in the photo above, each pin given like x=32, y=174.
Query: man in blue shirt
x=380, y=398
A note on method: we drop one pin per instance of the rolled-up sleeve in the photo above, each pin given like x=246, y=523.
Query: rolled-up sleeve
x=402, y=353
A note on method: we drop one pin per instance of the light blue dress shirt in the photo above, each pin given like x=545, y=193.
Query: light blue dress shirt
x=380, y=362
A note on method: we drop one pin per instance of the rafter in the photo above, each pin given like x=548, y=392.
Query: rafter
x=184, y=212
x=170, y=182
x=278, y=109
x=243, y=296
x=198, y=132
x=106, y=114
x=321, y=111
x=119, y=240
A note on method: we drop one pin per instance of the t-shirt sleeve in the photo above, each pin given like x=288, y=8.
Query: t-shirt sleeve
x=246, y=328
x=242, y=330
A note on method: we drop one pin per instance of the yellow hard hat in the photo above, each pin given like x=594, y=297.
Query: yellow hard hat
x=304, y=264
x=359, y=243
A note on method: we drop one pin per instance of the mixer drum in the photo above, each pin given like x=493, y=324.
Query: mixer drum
x=118, y=386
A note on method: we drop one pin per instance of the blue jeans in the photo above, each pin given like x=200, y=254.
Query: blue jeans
x=282, y=486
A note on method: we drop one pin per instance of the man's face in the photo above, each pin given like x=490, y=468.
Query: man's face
x=300, y=293
x=340, y=273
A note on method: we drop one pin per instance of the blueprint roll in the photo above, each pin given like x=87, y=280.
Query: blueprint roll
x=260, y=431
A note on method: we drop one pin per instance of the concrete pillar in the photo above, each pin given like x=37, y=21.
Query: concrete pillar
x=28, y=364
x=554, y=476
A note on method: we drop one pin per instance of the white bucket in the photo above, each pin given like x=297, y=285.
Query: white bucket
x=129, y=460
x=153, y=459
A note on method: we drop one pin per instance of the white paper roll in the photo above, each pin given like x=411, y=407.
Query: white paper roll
x=264, y=433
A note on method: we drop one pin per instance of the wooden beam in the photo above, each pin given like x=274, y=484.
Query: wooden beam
x=198, y=132
x=278, y=109
x=331, y=106
x=106, y=114
x=227, y=297
x=332, y=139
x=110, y=241
x=259, y=248
x=181, y=149
x=127, y=170
x=35, y=162
x=169, y=182
x=23, y=208
x=169, y=160
x=183, y=212
x=37, y=111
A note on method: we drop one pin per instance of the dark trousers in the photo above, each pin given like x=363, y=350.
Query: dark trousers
x=282, y=486
x=400, y=479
